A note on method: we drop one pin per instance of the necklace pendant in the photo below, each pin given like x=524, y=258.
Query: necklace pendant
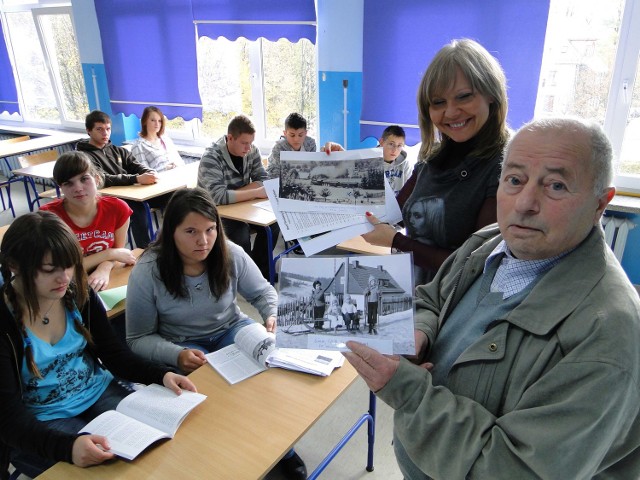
x=45, y=320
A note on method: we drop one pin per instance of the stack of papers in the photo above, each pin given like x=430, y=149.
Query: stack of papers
x=324, y=197
x=316, y=362
x=254, y=351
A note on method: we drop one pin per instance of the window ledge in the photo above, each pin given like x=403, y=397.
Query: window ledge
x=625, y=203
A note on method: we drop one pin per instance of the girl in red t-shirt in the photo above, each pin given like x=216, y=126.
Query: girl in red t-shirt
x=100, y=223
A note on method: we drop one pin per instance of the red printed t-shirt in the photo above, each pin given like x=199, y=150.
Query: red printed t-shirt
x=100, y=235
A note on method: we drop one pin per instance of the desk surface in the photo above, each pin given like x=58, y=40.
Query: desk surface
x=239, y=431
x=248, y=212
x=168, y=181
x=42, y=170
x=360, y=245
x=39, y=143
x=119, y=277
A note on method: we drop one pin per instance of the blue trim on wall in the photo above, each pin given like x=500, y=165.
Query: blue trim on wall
x=121, y=128
x=630, y=259
x=331, y=105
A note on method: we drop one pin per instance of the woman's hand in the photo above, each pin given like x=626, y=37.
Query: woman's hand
x=90, y=450
x=382, y=233
x=190, y=359
x=177, y=383
x=331, y=147
x=270, y=324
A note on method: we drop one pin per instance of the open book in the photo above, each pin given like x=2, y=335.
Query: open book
x=142, y=418
x=254, y=351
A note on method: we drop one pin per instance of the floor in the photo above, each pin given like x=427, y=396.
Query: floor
x=350, y=463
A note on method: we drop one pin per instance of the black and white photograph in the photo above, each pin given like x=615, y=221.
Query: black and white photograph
x=342, y=182
x=325, y=301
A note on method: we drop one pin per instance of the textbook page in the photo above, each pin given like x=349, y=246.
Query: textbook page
x=160, y=407
x=255, y=351
x=245, y=358
x=142, y=418
x=127, y=436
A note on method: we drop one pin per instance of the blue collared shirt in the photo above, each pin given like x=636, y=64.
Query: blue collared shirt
x=514, y=275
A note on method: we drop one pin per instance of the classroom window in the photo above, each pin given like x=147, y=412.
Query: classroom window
x=44, y=50
x=590, y=69
x=262, y=79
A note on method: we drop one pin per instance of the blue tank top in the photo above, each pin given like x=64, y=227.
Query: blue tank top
x=72, y=381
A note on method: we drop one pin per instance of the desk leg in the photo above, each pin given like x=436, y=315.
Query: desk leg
x=36, y=199
x=147, y=209
x=370, y=418
x=272, y=262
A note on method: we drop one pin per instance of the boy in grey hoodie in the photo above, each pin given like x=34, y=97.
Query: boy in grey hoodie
x=396, y=167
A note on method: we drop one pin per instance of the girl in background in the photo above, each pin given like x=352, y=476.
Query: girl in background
x=155, y=149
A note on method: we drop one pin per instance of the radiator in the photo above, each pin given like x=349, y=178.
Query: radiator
x=615, y=233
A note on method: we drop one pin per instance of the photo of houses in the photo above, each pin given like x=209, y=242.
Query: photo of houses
x=356, y=182
x=326, y=301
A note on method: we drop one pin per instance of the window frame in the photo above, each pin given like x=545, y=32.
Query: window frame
x=40, y=10
x=192, y=131
x=620, y=94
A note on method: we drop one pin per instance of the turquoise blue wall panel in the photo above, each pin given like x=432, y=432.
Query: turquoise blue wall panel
x=331, y=92
x=95, y=81
x=131, y=125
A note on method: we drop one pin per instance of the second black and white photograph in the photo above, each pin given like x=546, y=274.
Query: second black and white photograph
x=326, y=301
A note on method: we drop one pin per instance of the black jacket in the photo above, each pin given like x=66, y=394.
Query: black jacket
x=117, y=164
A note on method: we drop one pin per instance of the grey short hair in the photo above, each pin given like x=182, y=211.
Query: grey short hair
x=601, y=152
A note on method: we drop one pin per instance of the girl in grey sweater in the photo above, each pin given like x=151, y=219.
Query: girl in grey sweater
x=181, y=298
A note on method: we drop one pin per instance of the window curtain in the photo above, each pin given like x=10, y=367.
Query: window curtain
x=8, y=91
x=251, y=19
x=399, y=44
x=149, y=53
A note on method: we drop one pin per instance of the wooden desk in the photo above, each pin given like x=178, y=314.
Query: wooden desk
x=249, y=213
x=360, y=245
x=239, y=432
x=42, y=170
x=120, y=276
x=3, y=230
x=40, y=143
